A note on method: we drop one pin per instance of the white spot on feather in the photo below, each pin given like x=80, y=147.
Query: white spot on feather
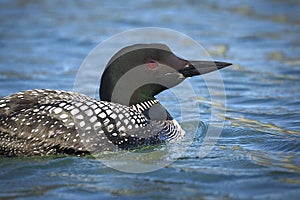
x=63, y=116
x=81, y=124
x=74, y=111
x=98, y=110
x=93, y=119
x=57, y=110
x=2, y=105
x=102, y=115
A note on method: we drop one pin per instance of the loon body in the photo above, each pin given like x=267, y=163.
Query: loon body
x=44, y=122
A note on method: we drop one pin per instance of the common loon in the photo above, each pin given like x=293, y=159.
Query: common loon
x=44, y=122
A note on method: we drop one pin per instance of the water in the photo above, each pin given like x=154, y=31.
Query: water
x=257, y=155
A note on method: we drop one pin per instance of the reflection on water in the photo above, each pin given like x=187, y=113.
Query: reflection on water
x=257, y=155
x=258, y=126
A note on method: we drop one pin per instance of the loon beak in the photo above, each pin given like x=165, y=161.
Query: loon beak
x=194, y=68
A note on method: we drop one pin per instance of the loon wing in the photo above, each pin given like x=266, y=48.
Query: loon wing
x=32, y=98
x=28, y=128
x=38, y=122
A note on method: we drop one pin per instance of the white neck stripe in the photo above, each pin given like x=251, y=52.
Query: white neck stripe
x=141, y=107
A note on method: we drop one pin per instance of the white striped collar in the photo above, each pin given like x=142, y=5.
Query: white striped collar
x=141, y=107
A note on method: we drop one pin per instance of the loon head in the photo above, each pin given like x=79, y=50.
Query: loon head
x=137, y=73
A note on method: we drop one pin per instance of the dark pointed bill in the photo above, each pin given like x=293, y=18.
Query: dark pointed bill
x=202, y=67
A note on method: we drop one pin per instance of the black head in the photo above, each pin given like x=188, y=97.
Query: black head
x=139, y=72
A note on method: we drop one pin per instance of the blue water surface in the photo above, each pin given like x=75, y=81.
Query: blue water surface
x=257, y=155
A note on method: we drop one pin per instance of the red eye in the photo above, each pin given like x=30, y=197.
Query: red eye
x=152, y=65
